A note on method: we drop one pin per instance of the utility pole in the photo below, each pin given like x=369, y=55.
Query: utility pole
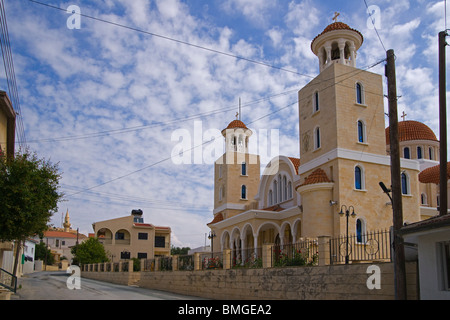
x=443, y=203
x=399, y=250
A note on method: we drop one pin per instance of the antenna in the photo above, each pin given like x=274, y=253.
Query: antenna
x=240, y=117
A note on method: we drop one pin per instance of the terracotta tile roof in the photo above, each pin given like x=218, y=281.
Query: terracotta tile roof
x=337, y=26
x=318, y=176
x=412, y=130
x=217, y=218
x=237, y=124
x=431, y=175
x=59, y=234
x=296, y=163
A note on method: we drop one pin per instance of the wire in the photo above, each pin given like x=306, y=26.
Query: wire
x=10, y=74
x=374, y=27
x=143, y=127
x=178, y=41
x=350, y=74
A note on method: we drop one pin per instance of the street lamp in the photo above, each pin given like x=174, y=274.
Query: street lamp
x=347, y=214
x=211, y=236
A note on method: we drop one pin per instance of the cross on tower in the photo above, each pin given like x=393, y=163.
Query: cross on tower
x=404, y=115
x=336, y=15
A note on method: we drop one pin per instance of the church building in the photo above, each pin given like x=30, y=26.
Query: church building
x=344, y=156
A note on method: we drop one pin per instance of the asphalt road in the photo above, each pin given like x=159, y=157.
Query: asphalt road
x=53, y=286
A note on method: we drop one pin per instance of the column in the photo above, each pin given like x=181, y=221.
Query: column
x=324, y=250
x=341, y=51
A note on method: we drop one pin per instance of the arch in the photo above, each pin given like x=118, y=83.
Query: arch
x=225, y=240
x=122, y=236
x=297, y=230
x=359, y=177
x=405, y=183
x=244, y=192
x=419, y=152
x=423, y=199
x=317, y=138
x=359, y=93
x=286, y=232
x=361, y=131
x=361, y=230
x=267, y=232
x=105, y=235
x=406, y=153
x=316, y=101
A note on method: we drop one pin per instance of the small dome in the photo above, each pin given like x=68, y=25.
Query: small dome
x=334, y=27
x=318, y=176
x=432, y=175
x=412, y=130
x=237, y=124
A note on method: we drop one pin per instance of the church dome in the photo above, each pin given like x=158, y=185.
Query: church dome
x=237, y=124
x=412, y=130
x=337, y=26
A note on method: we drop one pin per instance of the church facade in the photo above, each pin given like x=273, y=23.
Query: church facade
x=343, y=145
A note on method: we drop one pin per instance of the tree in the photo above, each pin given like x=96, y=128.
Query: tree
x=43, y=253
x=90, y=251
x=179, y=251
x=28, y=197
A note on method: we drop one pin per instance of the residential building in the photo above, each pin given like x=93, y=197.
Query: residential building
x=129, y=237
x=7, y=125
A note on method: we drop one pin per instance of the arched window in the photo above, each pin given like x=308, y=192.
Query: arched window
x=290, y=190
x=244, y=169
x=317, y=138
x=358, y=178
x=361, y=135
x=405, y=188
x=406, y=153
x=275, y=193
x=359, y=93
x=430, y=153
x=360, y=231
x=285, y=191
x=243, y=192
x=221, y=193
x=270, y=198
x=316, y=105
x=419, y=153
x=423, y=199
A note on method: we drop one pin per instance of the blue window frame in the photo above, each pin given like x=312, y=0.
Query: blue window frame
x=358, y=178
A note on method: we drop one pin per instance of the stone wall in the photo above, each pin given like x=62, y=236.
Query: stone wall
x=297, y=283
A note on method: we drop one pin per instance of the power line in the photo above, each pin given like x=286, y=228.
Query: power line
x=212, y=140
x=10, y=74
x=143, y=127
x=178, y=41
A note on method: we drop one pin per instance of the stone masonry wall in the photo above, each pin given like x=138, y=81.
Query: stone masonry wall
x=339, y=282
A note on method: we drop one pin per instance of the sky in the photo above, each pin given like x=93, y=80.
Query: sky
x=111, y=99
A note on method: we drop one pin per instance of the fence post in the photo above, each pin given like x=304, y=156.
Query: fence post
x=226, y=259
x=197, y=262
x=324, y=250
x=175, y=263
x=267, y=255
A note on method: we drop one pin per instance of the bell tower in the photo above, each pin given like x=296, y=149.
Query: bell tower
x=236, y=173
x=338, y=43
x=342, y=135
